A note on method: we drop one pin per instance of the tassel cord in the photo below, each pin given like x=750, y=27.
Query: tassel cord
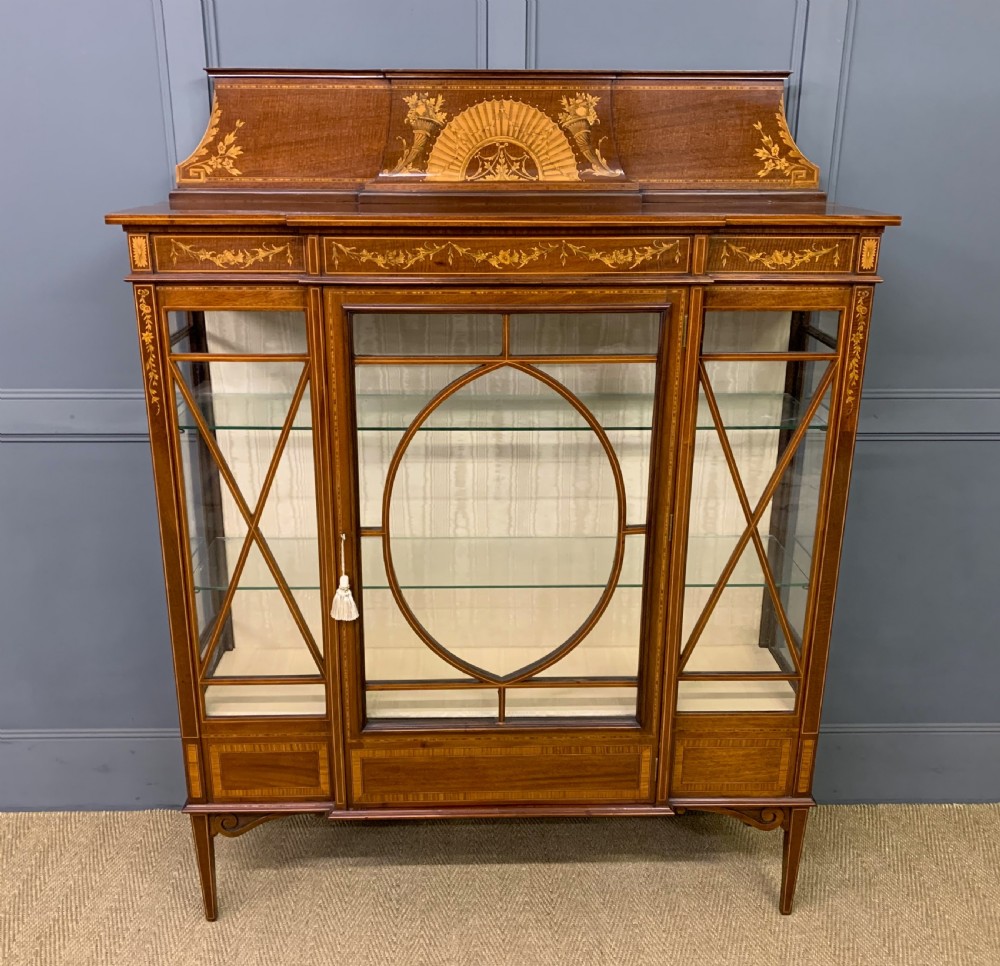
x=344, y=607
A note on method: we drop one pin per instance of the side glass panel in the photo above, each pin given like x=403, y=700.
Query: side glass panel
x=245, y=439
x=760, y=446
x=503, y=493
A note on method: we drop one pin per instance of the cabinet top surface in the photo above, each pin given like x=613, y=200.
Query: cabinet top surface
x=515, y=147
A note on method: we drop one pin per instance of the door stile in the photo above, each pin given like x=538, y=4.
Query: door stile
x=328, y=543
x=663, y=457
x=158, y=391
x=343, y=487
x=676, y=548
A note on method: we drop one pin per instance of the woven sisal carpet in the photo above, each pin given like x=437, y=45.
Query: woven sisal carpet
x=907, y=885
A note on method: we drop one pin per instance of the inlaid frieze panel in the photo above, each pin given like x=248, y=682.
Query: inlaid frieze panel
x=485, y=255
x=229, y=253
x=767, y=254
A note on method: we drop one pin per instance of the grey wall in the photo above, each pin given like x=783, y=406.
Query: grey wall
x=895, y=99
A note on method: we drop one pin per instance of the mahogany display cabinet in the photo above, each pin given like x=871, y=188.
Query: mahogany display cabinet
x=560, y=374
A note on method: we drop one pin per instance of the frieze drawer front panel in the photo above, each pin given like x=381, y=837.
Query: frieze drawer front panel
x=502, y=428
x=229, y=253
x=267, y=769
x=553, y=772
x=493, y=256
x=776, y=254
x=752, y=766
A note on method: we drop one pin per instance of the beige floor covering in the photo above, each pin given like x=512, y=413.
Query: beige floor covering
x=908, y=885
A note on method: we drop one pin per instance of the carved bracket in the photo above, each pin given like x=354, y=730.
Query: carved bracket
x=766, y=818
x=235, y=824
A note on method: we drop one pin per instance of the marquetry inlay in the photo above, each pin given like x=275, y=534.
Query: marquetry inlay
x=783, y=162
x=780, y=253
x=147, y=338
x=452, y=255
x=214, y=155
x=193, y=770
x=869, y=254
x=138, y=251
x=806, y=757
x=856, y=351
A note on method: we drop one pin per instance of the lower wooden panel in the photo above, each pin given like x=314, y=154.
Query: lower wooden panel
x=733, y=761
x=514, y=773
x=269, y=770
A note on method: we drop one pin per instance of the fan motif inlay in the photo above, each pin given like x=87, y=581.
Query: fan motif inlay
x=502, y=141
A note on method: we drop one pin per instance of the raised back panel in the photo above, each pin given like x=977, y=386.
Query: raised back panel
x=403, y=132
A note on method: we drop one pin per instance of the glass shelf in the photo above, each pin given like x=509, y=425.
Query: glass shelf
x=235, y=410
x=498, y=562
x=394, y=412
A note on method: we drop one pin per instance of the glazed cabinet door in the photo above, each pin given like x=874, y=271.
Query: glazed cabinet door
x=503, y=529
x=240, y=380
x=766, y=430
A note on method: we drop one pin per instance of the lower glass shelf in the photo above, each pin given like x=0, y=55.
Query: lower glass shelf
x=494, y=562
x=520, y=703
x=223, y=701
x=727, y=696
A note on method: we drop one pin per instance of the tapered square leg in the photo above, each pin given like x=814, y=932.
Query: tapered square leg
x=201, y=828
x=795, y=833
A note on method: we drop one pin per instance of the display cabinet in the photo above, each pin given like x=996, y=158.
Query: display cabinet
x=559, y=374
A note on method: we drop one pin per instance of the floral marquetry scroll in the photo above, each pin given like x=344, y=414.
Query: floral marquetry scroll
x=147, y=339
x=783, y=160
x=487, y=255
x=859, y=337
x=207, y=253
x=780, y=253
x=215, y=155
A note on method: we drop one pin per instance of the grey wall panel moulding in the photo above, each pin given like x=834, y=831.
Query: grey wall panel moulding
x=921, y=71
x=83, y=623
x=822, y=81
x=183, y=83
x=908, y=763
x=507, y=34
x=666, y=35
x=82, y=136
x=72, y=415
x=347, y=34
x=930, y=414
x=91, y=769
x=915, y=629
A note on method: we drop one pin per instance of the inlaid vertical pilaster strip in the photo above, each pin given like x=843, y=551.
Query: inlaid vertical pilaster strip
x=312, y=255
x=807, y=757
x=857, y=344
x=193, y=765
x=843, y=426
x=152, y=375
x=699, y=256
x=168, y=481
